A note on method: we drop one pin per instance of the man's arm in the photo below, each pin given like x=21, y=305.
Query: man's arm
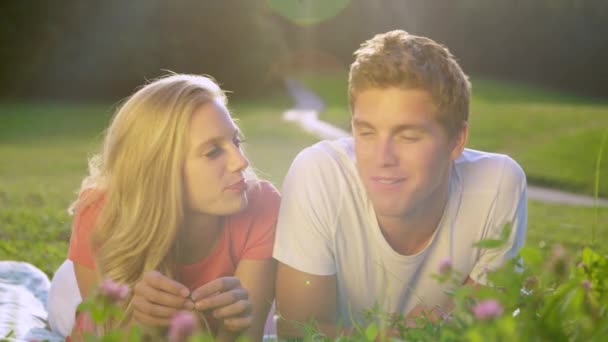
x=510, y=207
x=306, y=287
x=303, y=298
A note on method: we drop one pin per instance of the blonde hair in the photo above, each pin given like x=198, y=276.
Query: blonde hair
x=139, y=175
x=399, y=59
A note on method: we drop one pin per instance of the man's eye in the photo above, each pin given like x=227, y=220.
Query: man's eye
x=215, y=152
x=409, y=138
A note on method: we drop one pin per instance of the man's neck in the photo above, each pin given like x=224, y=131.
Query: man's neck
x=411, y=233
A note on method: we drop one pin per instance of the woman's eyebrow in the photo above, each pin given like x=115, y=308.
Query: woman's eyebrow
x=218, y=139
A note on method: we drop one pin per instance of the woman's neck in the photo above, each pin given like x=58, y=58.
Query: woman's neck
x=197, y=237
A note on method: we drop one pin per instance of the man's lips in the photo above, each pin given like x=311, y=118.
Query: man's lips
x=387, y=183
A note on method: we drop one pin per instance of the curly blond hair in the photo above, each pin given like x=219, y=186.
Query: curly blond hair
x=402, y=60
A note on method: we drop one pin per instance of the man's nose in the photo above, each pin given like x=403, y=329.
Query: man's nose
x=386, y=152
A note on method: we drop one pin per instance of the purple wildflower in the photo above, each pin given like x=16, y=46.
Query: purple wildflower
x=182, y=326
x=445, y=265
x=488, y=309
x=531, y=283
x=586, y=284
x=446, y=317
x=115, y=292
x=558, y=261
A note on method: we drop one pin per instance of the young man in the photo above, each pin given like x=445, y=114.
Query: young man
x=366, y=221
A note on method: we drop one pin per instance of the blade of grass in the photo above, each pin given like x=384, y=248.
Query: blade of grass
x=597, y=188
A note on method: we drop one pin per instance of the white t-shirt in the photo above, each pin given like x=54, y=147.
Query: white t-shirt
x=327, y=226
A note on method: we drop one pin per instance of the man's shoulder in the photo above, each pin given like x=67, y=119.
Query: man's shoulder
x=476, y=158
x=479, y=169
x=320, y=178
x=326, y=156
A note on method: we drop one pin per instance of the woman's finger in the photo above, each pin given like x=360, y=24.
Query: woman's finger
x=237, y=324
x=239, y=308
x=222, y=299
x=152, y=309
x=160, y=282
x=145, y=319
x=222, y=284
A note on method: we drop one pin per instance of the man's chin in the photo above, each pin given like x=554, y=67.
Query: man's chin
x=389, y=209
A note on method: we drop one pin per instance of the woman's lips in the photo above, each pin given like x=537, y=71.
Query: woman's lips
x=239, y=186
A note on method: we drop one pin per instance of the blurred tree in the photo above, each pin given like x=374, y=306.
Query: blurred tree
x=103, y=49
x=99, y=50
x=25, y=35
x=555, y=43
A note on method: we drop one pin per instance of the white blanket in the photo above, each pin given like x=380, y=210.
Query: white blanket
x=23, y=294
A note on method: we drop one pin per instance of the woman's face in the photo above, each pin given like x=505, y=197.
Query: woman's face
x=214, y=168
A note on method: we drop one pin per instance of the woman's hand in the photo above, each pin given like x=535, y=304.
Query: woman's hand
x=157, y=298
x=227, y=301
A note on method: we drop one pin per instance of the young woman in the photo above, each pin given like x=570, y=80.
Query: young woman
x=171, y=209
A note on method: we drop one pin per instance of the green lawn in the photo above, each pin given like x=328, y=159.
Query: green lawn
x=554, y=136
x=44, y=148
x=567, y=225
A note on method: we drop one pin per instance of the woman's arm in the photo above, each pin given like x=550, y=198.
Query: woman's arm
x=86, y=279
x=258, y=277
x=241, y=302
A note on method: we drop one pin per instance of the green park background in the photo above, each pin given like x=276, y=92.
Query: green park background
x=538, y=70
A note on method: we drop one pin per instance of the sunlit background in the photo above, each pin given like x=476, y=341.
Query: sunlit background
x=102, y=49
x=539, y=71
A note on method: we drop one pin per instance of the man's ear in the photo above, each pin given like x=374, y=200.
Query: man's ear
x=459, y=142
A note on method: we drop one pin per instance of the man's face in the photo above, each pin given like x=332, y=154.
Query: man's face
x=404, y=155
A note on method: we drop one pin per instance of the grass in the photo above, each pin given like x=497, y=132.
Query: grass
x=554, y=136
x=567, y=225
x=44, y=148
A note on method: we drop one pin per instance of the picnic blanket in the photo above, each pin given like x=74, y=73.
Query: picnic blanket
x=24, y=290
x=23, y=295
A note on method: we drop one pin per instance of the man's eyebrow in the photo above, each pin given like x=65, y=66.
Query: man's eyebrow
x=408, y=127
x=405, y=127
x=362, y=124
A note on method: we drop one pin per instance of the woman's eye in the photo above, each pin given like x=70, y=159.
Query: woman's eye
x=238, y=141
x=216, y=151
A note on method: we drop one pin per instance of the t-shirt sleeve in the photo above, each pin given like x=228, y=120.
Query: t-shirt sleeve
x=307, y=217
x=510, y=208
x=80, y=250
x=260, y=241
